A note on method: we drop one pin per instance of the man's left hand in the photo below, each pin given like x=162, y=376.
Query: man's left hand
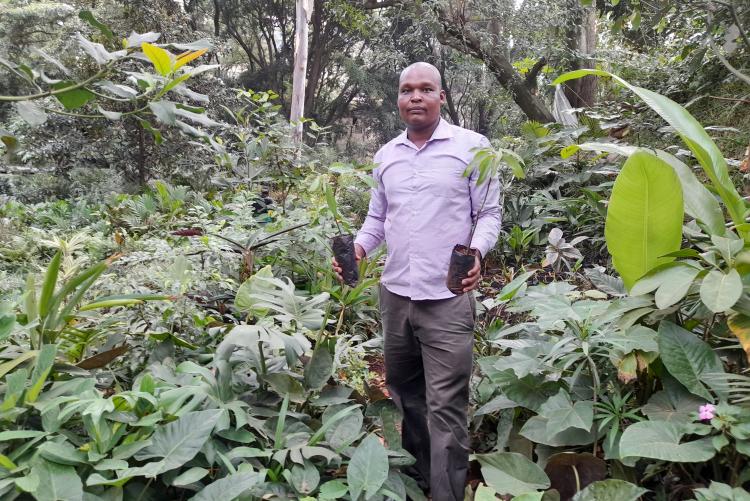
x=472, y=281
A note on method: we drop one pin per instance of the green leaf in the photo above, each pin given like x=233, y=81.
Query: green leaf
x=245, y=299
x=512, y=473
x=687, y=357
x=160, y=58
x=562, y=414
x=6, y=463
x=7, y=322
x=229, y=487
x=342, y=429
x=190, y=476
x=333, y=489
x=671, y=281
x=305, y=477
x=179, y=441
x=661, y=440
x=62, y=453
x=48, y=287
x=720, y=291
x=610, y=490
x=87, y=16
x=72, y=99
x=367, y=469
x=319, y=368
x=693, y=135
x=43, y=366
x=57, y=482
x=158, y=139
x=11, y=364
x=644, y=218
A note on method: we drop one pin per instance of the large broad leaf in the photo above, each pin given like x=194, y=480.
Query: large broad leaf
x=228, y=488
x=245, y=301
x=368, y=468
x=56, y=482
x=692, y=133
x=671, y=282
x=663, y=406
x=700, y=203
x=535, y=429
x=687, y=358
x=74, y=98
x=561, y=413
x=720, y=291
x=179, y=441
x=661, y=440
x=610, y=490
x=511, y=473
x=644, y=218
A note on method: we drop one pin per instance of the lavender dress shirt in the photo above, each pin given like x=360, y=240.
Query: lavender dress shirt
x=422, y=206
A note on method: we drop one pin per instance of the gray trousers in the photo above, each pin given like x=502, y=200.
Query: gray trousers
x=428, y=364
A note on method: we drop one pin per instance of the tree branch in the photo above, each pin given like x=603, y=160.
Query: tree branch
x=530, y=82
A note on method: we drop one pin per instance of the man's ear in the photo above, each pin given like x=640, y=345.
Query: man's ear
x=442, y=96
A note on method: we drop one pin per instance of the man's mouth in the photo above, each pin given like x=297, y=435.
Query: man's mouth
x=416, y=110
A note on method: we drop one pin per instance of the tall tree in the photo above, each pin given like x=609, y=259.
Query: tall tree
x=303, y=15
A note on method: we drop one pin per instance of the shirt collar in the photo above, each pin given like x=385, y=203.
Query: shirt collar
x=442, y=131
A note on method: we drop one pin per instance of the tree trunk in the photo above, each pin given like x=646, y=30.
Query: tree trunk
x=304, y=11
x=581, y=41
x=317, y=53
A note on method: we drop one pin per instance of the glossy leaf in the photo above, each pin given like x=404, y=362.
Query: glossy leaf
x=160, y=58
x=687, y=357
x=178, y=442
x=368, y=468
x=511, y=473
x=72, y=99
x=720, y=291
x=691, y=132
x=661, y=440
x=57, y=482
x=644, y=218
x=229, y=487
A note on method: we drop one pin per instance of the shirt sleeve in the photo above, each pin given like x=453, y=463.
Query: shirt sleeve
x=486, y=208
x=372, y=233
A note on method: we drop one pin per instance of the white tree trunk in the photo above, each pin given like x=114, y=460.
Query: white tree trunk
x=304, y=12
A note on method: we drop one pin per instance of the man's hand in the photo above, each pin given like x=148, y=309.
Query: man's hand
x=475, y=275
x=359, y=252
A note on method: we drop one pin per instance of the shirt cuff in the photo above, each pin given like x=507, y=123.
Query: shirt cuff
x=368, y=243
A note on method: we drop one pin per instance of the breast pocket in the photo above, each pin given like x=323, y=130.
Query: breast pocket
x=443, y=181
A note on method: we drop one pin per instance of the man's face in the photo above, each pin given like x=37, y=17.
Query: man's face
x=420, y=98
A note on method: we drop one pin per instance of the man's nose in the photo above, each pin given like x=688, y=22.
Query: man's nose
x=416, y=96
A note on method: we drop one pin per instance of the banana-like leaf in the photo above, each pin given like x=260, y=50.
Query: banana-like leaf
x=644, y=218
x=692, y=134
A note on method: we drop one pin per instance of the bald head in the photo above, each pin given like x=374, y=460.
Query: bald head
x=426, y=68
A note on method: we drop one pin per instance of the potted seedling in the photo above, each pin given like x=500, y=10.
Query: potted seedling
x=487, y=161
x=343, y=243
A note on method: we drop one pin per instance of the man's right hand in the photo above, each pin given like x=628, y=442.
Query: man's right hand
x=359, y=252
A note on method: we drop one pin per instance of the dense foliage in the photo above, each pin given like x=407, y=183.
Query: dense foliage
x=170, y=327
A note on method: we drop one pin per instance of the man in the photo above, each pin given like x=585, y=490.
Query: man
x=422, y=206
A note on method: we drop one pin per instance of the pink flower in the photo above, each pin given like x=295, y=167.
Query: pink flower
x=706, y=412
